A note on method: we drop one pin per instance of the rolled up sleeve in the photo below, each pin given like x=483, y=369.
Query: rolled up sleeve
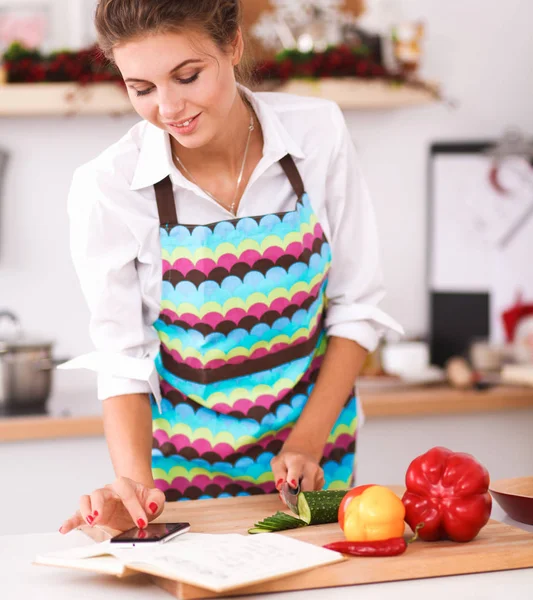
x=355, y=286
x=104, y=253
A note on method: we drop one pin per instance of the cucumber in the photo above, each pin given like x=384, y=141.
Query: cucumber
x=278, y=522
x=316, y=508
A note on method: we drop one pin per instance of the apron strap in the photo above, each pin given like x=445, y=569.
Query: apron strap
x=293, y=175
x=164, y=193
x=166, y=207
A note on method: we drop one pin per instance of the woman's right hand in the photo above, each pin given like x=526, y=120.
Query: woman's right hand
x=120, y=505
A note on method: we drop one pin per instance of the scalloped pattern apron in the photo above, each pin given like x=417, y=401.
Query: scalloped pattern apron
x=242, y=338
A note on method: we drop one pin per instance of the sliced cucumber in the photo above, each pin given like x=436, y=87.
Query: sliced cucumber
x=278, y=522
x=316, y=508
x=259, y=530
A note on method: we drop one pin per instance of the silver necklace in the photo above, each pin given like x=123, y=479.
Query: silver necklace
x=239, y=178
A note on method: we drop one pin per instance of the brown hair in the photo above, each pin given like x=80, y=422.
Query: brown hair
x=118, y=21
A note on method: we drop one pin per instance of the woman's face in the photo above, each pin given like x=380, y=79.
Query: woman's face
x=181, y=82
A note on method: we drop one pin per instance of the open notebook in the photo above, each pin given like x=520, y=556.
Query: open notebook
x=215, y=562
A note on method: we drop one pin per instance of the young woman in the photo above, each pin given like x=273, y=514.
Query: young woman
x=227, y=249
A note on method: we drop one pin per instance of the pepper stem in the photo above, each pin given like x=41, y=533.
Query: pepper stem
x=415, y=536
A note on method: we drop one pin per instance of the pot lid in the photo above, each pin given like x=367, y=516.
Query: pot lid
x=23, y=344
x=12, y=337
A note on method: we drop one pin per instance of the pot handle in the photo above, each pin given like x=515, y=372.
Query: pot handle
x=49, y=364
x=7, y=315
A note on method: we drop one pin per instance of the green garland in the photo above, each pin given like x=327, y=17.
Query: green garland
x=24, y=65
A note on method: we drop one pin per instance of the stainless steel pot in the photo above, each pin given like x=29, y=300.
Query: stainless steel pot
x=25, y=369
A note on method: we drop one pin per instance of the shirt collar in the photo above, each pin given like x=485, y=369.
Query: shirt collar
x=155, y=158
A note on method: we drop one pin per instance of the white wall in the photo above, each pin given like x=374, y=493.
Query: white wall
x=482, y=53
x=480, y=50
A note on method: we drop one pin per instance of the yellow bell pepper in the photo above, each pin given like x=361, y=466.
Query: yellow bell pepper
x=375, y=514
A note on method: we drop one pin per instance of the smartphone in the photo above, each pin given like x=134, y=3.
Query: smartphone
x=153, y=533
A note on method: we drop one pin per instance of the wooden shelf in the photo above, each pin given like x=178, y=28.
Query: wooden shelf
x=63, y=99
x=357, y=94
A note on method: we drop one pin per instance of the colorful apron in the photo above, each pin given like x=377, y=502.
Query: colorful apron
x=242, y=340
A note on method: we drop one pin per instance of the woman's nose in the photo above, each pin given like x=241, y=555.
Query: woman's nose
x=171, y=105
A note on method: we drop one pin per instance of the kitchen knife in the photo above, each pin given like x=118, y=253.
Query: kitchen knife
x=290, y=496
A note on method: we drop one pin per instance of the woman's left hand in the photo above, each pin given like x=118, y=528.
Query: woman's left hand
x=295, y=466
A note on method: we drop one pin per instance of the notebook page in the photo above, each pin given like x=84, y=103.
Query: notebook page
x=225, y=562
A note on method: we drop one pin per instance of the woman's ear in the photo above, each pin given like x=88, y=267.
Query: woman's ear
x=237, y=48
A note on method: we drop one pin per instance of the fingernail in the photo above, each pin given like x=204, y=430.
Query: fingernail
x=278, y=483
x=293, y=483
x=153, y=507
x=141, y=524
x=95, y=513
x=90, y=519
x=61, y=529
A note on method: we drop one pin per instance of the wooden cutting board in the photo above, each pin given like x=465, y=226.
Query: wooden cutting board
x=498, y=547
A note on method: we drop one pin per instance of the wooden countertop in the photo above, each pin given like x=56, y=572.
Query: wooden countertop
x=444, y=400
x=411, y=402
x=44, y=427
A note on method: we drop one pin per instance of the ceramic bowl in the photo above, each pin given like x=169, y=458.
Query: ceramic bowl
x=515, y=496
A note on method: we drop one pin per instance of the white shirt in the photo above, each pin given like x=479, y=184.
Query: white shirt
x=115, y=232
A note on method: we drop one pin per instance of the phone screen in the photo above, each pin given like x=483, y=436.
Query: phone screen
x=153, y=532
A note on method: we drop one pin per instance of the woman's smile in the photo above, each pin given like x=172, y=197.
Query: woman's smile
x=186, y=126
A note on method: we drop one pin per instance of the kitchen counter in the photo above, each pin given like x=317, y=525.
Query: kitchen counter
x=20, y=579
x=444, y=400
x=436, y=400
x=49, y=427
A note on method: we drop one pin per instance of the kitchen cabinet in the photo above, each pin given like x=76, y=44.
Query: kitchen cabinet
x=42, y=481
x=502, y=441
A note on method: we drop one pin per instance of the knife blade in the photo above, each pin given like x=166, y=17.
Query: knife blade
x=289, y=495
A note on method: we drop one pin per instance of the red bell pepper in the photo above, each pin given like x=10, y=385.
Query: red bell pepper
x=448, y=492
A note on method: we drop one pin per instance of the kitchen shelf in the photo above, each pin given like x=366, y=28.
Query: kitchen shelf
x=358, y=94
x=57, y=99
x=62, y=99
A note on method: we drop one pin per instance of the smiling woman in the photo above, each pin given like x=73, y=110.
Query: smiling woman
x=196, y=96
x=231, y=309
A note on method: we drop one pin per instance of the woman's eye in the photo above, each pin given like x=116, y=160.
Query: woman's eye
x=189, y=79
x=184, y=81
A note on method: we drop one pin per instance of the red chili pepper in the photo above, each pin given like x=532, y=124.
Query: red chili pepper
x=390, y=547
